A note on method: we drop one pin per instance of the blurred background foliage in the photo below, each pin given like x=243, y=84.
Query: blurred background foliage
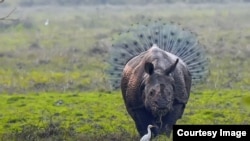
x=112, y=2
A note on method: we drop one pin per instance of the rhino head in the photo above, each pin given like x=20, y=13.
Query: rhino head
x=159, y=89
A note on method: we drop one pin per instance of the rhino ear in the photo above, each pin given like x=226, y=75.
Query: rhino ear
x=149, y=68
x=171, y=68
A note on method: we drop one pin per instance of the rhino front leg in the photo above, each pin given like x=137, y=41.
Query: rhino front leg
x=142, y=119
x=170, y=119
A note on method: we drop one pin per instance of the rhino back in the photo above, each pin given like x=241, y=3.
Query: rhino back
x=131, y=81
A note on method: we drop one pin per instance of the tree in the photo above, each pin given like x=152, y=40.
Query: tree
x=5, y=17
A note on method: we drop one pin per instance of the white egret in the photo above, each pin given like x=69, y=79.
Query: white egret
x=46, y=22
x=147, y=136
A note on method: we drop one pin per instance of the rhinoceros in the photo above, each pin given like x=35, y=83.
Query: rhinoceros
x=155, y=65
x=155, y=87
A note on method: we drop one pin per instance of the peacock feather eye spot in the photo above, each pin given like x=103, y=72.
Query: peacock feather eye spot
x=123, y=54
x=156, y=41
x=126, y=46
x=178, y=40
x=135, y=43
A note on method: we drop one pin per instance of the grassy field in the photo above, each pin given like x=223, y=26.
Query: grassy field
x=53, y=84
x=102, y=116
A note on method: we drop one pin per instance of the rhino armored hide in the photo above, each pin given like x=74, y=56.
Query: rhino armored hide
x=155, y=64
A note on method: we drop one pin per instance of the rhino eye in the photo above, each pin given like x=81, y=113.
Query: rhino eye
x=151, y=93
x=173, y=87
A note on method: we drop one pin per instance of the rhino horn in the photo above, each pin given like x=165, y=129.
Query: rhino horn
x=171, y=68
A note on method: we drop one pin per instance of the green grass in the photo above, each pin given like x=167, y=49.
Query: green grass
x=81, y=109
x=84, y=113
x=53, y=84
x=97, y=113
